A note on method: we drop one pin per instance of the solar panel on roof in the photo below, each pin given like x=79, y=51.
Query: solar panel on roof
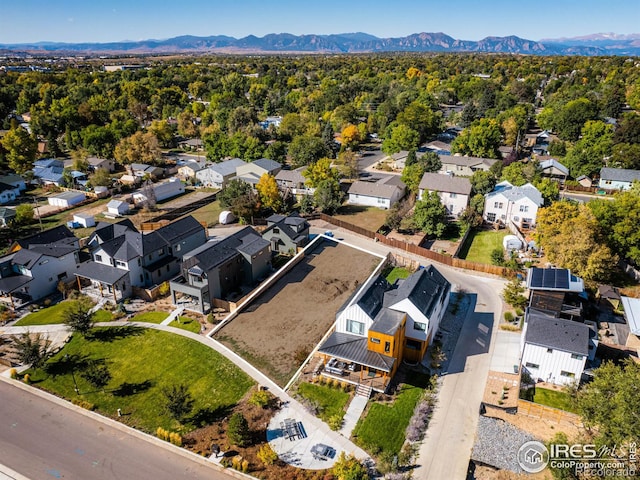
x=562, y=279
x=536, y=277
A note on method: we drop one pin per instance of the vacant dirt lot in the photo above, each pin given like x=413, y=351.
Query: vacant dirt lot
x=280, y=327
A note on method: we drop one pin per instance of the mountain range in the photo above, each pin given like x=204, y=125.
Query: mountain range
x=597, y=44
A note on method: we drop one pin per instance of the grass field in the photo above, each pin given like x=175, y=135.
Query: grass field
x=330, y=401
x=371, y=218
x=480, y=244
x=184, y=323
x=395, y=273
x=142, y=363
x=209, y=213
x=54, y=315
x=392, y=419
x=555, y=399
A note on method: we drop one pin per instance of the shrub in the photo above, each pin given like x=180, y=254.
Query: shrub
x=261, y=398
x=497, y=257
x=335, y=422
x=175, y=438
x=236, y=462
x=510, y=327
x=519, y=312
x=238, y=430
x=245, y=466
x=47, y=302
x=13, y=373
x=508, y=316
x=267, y=455
x=164, y=289
x=349, y=468
x=162, y=434
x=27, y=378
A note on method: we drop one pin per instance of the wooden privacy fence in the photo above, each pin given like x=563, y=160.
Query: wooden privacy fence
x=544, y=412
x=417, y=250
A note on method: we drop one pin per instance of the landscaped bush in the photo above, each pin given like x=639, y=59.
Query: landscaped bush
x=83, y=404
x=13, y=373
x=27, y=379
x=238, y=430
x=261, y=398
x=266, y=455
x=420, y=419
x=335, y=421
x=508, y=316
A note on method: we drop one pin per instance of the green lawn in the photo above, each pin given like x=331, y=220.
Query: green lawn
x=186, y=323
x=330, y=401
x=555, y=399
x=480, y=244
x=209, y=213
x=102, y=315
x=396, y=273
x=46, y=316
x=382, y=430
x=151, y=317
x=142, y=363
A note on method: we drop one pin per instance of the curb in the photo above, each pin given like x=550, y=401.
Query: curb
x=123, y=428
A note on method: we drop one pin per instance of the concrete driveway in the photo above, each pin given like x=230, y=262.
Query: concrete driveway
x=506, y=355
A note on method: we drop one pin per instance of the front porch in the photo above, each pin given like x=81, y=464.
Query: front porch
x=103, y=281
x=98, y=290
x=330, y=367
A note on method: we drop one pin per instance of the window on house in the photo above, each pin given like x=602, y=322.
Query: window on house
x=420, y=326
x=387, y=347
x=375, y=340
x=62, y=275
x=276, y=230
x=178, y=247
x=503, y=216
x=168, y=268
x=575, y=356
x=355, y=327
x=491, y=217
x=98, y=258
x=161, y=251
x=531, y=365
x=452, y=195
x=549, y=350
x=121, y=264
x=564, y=373
x=524, y=208
x=139, y=261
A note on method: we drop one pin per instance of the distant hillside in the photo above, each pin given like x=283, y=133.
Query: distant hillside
x=600, y=44
x=611, y=43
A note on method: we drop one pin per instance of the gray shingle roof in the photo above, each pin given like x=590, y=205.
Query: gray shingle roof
x=53, y=235
x=557, y=333
x=513, y=194
x=445, y=183
x=387, y=322
x=373, y=189
x=466, y=161
x=228, y=167
x=13, y=282
x=619, y=174
x=268, y=164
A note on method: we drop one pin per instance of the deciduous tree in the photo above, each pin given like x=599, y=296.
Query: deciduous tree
x=21, y=149
x=269, y=192
x=138, y=148
x=430, y=215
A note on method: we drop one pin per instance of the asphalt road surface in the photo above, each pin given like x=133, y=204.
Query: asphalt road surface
x=42, y=440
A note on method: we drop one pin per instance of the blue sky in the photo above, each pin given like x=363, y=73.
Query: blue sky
x=114, y=20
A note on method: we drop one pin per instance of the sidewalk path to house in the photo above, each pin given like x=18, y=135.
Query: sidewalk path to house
x=353, y=414
x=298, y=452
x=175, y=314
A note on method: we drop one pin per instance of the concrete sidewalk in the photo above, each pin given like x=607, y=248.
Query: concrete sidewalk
x=172, y=316
x=353, y=414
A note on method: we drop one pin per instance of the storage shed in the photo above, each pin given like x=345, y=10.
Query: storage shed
x=117, y=207
x=84, y=219
x=67, y=199
x=511, y=242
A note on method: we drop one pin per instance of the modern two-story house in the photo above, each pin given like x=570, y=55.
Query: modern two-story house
x=123, y=257
x=220, y=268
x=382, y=325
x=286, y=234
x=37, y=264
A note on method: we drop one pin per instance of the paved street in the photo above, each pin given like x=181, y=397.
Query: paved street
x=43, y=440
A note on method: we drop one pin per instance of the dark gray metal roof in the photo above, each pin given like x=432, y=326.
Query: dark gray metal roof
x=557, y=333
x=371, y=297
x=212, y=254
x=14, y=282
x=53, y=235
x=180, y=229
x=387, y=321
x=353, y=348
x=99, y=272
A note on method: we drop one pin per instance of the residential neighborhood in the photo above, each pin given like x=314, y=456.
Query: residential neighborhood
x=324, y=266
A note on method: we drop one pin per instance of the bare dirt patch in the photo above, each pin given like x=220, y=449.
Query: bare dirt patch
x=280, y=328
